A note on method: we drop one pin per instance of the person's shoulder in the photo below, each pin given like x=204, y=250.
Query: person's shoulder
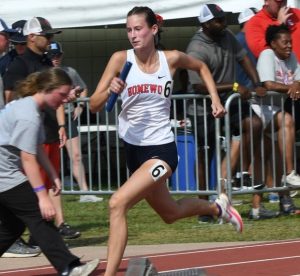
x=257, y=19
x=267, y=53
x=22, y=107
x=173, y=56
x=229, y=37
x=120, y=55
x=198, y=36
x=229, y=33
x=171, y=52
x=17, y=64
x=199, y=42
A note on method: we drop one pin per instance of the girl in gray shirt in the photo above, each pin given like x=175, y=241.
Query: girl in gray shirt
x=24, y=200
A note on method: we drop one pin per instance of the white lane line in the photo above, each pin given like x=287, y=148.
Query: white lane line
x=26, y=269
x=221, y=249
x=185, y=253
x=236, y=263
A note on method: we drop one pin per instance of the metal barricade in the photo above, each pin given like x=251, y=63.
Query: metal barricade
x=102, y=152
x=204, y=143
x=259, y=182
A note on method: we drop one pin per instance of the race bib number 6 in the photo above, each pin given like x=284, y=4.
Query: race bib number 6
x=157, y=170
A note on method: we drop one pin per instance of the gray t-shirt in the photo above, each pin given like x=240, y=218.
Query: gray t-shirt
x=21, y=129
x=221, y=57
x=271, y=68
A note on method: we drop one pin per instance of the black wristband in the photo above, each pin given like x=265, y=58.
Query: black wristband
x=61, y=126
x=81, y=104
x=258, y=84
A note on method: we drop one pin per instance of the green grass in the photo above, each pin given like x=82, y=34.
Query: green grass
x=145, y=226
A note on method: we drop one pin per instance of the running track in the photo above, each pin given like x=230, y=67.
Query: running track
x=266, y=259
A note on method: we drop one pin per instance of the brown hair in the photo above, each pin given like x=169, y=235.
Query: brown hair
x=44, y=81
x=151, y=19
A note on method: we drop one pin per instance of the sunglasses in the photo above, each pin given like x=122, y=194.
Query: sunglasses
x=47, y=36
x=19, y=43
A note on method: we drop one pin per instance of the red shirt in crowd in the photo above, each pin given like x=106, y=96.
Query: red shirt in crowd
x=256, y=28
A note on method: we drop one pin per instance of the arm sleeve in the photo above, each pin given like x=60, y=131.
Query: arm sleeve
x=266, y=65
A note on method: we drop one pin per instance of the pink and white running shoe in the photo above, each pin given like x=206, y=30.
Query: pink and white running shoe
x=229, y=213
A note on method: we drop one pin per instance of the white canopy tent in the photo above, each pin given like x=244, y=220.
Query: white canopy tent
x=80, y=13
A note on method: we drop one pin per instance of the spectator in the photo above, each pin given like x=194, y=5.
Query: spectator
x=4, y=34
x=275, y=12
x=39, y=34
x=18, y=40
x=272, y=12
x=19, y=246
x=216, y=46
x=256, y=212
x=24, y=201
x=279, y=71
x=244, y=16
x=55, y=53
x=145, y=127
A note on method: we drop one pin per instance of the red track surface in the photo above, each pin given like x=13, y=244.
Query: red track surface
x=268, y=259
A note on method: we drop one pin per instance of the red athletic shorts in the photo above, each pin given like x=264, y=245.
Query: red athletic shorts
x=53, y=152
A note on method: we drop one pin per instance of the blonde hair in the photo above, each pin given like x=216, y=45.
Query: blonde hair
x=42, y=82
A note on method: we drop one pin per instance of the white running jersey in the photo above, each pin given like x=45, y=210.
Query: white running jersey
x=146, y=100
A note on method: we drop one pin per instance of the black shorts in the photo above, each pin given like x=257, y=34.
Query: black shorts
x=210, y=121
x=138, y=155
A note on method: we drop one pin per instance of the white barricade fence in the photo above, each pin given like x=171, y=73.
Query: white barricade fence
x=203, y=142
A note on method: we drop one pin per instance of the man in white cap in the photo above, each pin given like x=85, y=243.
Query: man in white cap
x=243, y=17
x=217, y=46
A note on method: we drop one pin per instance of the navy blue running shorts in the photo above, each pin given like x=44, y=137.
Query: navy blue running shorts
x=137, y=155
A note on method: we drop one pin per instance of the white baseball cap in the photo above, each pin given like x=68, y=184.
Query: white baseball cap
x=39, y=25
x=245, y=15
x=210, y=11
